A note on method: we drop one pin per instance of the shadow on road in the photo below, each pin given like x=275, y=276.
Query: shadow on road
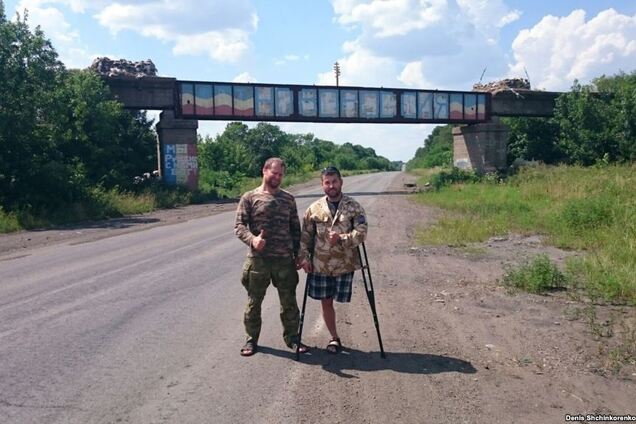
x=357, y=360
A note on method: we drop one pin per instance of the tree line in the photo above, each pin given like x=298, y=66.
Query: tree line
x=592, y=123
x=64, y=141
x=239, y=153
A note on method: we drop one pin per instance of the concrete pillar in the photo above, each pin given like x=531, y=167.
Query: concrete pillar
x=481, y=147
x=178, y=150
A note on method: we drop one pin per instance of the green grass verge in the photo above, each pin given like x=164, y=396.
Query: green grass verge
x=591, y=209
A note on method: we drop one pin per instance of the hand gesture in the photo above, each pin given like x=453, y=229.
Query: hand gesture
x=305, y=265
x=333, y=237
x=258, y=242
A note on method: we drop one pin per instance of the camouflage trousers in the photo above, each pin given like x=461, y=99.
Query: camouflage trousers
x=257, y=274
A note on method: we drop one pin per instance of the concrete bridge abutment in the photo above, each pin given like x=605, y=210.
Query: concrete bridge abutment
x=178, y=150
x=481, y=148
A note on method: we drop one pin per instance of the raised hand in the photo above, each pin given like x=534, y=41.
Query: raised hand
x=258, y=242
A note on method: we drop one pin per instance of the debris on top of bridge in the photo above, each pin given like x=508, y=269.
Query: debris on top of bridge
x=124, y=68
x=511, y=84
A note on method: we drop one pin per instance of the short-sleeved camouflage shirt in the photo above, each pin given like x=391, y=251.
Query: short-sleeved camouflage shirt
x=277, y=215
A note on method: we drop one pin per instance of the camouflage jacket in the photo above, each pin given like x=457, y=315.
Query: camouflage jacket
x=277, y=215
x=343, y=257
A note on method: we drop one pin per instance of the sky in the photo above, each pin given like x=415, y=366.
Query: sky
x=423, y=44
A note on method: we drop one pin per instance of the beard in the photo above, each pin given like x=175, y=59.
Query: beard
x=333, y=193
x=272, y=183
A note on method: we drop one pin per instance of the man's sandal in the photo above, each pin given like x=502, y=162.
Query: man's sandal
x=334, y=346
x=249, y=348
x=302, y=348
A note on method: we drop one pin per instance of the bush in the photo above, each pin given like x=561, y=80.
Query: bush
x=538, y=276
x=455, y=175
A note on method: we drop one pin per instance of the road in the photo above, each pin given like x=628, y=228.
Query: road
x=146, y=327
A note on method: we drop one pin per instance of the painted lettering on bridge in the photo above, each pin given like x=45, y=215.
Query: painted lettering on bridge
x=304, y=103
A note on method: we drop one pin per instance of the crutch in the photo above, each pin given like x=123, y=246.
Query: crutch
x=369, y=290
x=302, y=312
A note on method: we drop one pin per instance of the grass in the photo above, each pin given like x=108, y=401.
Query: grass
x=97, y=204
x=540, y=275
x=101, y=204
x=590, y=209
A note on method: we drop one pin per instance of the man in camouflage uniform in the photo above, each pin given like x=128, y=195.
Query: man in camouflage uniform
x=267, y=221
x=333, y=227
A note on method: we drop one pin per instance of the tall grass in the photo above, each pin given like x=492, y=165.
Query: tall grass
x=591, y=209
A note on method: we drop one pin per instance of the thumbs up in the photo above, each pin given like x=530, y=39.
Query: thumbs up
x=258, y=242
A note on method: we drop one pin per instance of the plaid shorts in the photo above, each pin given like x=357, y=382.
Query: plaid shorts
x=325, y=287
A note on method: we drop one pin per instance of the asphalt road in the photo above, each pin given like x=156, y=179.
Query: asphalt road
x=146, y=327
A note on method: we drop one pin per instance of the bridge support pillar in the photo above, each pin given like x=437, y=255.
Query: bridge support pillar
x=178, y=150
x=481, y=147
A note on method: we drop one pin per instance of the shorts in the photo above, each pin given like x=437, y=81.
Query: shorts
x=326, y=287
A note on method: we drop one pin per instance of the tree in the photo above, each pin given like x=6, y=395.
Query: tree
x=29, y=75
x=437, y=150
x=60, y=133
x=534, y=139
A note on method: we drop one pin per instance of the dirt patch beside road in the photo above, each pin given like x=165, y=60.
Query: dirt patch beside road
x=535, y=358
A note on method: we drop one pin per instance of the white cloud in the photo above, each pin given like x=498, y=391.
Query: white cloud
x=56, y=27
x=244, y=77
x=225, y=46
x=362, y=67
x=390, y=17
x=445, y=37
x=194, y=28
x=558, y=50
x=488, y=14
x=412, y=76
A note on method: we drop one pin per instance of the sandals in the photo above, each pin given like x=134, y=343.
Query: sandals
x=249, y=348
x=334, y=346
x=302, y=348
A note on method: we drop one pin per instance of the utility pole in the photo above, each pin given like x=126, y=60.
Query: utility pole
x=336, y=69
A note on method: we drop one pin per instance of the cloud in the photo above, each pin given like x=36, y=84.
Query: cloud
x=56, y=27
x=290, y=58
x=362, y=67
x=445, y=37
x=412, y=76
x=194, y=28
x=558, y=50
x=244, y=77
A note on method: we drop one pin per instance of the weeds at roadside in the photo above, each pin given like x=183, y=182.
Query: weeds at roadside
x=538, y=276
x=592, y=210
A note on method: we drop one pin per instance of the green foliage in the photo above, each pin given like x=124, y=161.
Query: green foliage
x=538, y=276
x=233, y=160
x=585, y=214
x=590, y=209
x=452, y=176
x=8, y=221
x=533, y=139
x=60, y=134
x=593, y=124
x=437, y=150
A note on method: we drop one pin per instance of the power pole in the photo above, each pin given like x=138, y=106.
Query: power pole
x=336, y=69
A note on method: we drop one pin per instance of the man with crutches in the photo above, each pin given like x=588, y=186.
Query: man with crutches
x=333, y=228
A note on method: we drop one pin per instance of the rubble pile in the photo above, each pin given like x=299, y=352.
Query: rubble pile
x=124, y=68
x=511, y=84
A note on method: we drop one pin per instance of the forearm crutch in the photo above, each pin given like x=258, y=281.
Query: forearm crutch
x=369, y=290
x=302, y=312
x=302, y=318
